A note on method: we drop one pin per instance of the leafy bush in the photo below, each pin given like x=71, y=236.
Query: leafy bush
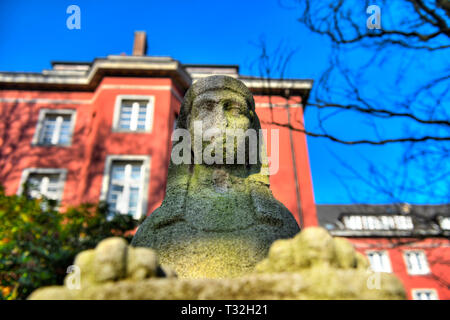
x=38, y=243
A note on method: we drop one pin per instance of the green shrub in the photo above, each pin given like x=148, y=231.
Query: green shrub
x=38, y=243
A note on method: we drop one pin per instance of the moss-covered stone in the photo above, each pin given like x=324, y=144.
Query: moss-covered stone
x=345, y=253
x=216, y=221
x=361, y=261
x=142, y=263
x=113, y=260
x=336, y=273
x=317, y=283
x=110, y=261
x=314, y=247
x=222, y=222
x=85, y=261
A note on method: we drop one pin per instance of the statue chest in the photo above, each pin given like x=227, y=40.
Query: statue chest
x=222, y=211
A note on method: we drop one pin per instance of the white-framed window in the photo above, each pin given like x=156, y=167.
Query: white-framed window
x=444, y=222
x=55, y=127
x=133, y=113
x=125, y=184
x=416, y=262
x=379, y=261
x=48, y=182
x=424, y=294
x=368, y=222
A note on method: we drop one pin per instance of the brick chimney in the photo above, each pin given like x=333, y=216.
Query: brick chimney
x=140, y=43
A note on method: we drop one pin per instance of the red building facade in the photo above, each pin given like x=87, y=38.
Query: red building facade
x=84, y=132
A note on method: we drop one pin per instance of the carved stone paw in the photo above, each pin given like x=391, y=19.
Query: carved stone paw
x=113, y=260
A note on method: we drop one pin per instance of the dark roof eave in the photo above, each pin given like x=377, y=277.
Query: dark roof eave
x=72, y=63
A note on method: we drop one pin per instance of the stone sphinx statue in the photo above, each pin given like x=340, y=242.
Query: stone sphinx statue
x=217, y=220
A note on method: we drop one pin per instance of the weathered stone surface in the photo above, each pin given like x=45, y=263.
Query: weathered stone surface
x=110, y=261
x=329, y=269
x=361, y=261
x=85, y=261
x=317, y=283
x=216, y=220
x=312, y=248
x=346, y=254
x=142, y=263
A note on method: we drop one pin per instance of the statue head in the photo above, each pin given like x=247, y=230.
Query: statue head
x=218, y=101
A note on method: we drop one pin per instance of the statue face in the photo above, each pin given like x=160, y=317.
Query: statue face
x=220, y=109
x=223, y=109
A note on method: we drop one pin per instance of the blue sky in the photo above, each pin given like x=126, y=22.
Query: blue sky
x=33, y=33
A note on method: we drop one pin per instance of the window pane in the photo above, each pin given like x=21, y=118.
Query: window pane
x=115, y=192
x=134, y=198
x=48, y=129
x=124, y=125
x=118, y=172
x=65, y=132
x=136, y=172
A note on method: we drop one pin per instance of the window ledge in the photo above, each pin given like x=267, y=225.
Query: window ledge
x=116, y=130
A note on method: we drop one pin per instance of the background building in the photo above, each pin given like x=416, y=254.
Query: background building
x=410, y=241
x=84, y=132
